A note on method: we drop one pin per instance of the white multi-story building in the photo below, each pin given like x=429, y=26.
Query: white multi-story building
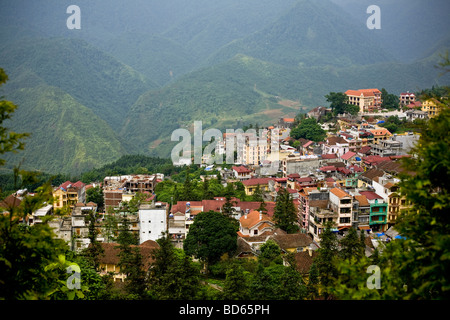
x=152, y=221
x=342, y=203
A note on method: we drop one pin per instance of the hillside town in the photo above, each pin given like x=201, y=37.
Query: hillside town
x=350, y=179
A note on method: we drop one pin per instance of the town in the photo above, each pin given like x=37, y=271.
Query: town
x=346, y=181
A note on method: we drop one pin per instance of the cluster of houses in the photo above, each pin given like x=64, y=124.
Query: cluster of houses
x=350, y=179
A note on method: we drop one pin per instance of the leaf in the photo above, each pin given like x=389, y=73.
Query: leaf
x=79, y=294
x=62, y=259
x=71, y=295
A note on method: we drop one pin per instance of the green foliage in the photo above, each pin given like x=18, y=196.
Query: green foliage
x=95, y=195
x=389, y=101
x=285, y=214
x=10, y=141
x=351, y=245
x=339, y=105
x=325, y=260
x=173, y=274
x=130, y=164
x=236, y=286
x=270, y=252
x=210, y=236
x=308, y=128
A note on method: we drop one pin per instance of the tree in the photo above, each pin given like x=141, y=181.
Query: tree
x=426, y=224
x=312, y=285
x=351, y=245
x=258, y=196
x=270, y=252
x=187, y=194
x=416, y=266
x=94, y=250
x=25, y=251
x=291, y=285
x=95, y=195
x=285, y=214
x=308, y=128
x=339, y=105
x=210, y=236
x=325, y=260
x=207, y=194
x=236, y=286
x=389, y=101
x=131, y=264
x=10, y=141
x=173, y=275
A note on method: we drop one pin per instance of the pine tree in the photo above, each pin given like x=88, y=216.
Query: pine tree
x=94, y=250
x=285, y=214
x=173, y=276
x=351, y=245
x=236, y=286
x=313, y=282
x=325, y=260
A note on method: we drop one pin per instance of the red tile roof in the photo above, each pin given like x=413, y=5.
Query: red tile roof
x=256, y=181
x=327, y=168
x=241, y=169
x=339, y=193
x=370, y=195
x=329, y=156
x=348, y=155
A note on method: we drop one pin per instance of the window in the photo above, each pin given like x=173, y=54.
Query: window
x=255, y=232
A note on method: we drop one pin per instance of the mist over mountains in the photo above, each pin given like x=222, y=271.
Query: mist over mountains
x=137, y=70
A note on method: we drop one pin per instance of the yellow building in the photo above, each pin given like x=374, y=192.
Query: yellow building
x=250, y=185
x=368, y=100
x=431, y=108
x=380, y=134
x=69, y=194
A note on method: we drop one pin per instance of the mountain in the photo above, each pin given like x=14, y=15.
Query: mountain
x=315, y=33
x=138, y=70
x=409, y=28
x=94, y=78
x=158, y=58
x=66, y=136
x=237, y=92
x=245, y=90
x=223, y=22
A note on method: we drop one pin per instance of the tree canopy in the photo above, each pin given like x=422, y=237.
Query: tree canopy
x=210, y=236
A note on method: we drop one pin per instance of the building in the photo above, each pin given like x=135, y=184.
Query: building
x=342, y=203
x=122, y=188
x=378, y=211
x=413, y=114
x=109, y=260
x=251, y=184
x=368, y=100
x=68, y=194
x=308, y=198
x=336, y=145
x=152, y=221
x=320, y=213
x=362, y=212
x=80, y=225
x=255, y=223
x=380, y=134
x=431, y=107
x=407, y=98
x=242, y=173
